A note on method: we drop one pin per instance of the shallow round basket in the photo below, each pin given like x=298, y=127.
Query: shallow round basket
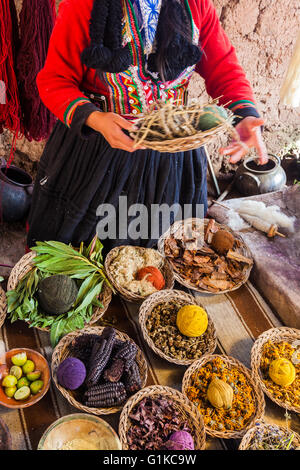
x=259, y=396
x=275, y=335
x=3, y=306
x=61, y=352
x=166, y=270
x=188, y=410
x=25, y=264
x=246, y=441
x=185, y=299
x=202, y=224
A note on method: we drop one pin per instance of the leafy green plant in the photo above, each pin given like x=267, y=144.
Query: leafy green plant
x=1, y=278
x=84, y=265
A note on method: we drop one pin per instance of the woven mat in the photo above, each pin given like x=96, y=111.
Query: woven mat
x=239, y=318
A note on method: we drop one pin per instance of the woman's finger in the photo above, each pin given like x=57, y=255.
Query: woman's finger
x=229, y=149
x=124, y=123
x=237, y=156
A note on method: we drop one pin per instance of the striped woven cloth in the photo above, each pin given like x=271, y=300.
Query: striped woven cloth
x=239, y=317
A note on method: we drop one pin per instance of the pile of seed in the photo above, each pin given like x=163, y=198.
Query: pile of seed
x=162, y=329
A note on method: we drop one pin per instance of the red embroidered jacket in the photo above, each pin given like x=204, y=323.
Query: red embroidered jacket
x=62, y=80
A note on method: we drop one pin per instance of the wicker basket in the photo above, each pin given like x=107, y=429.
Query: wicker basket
x=259, y=396
x=190, y=412
x=162, y=115
x=61, y=352
x=246, y=441
x=185, y=299
x=3, y=306
x=202, y=224
x=23, y=267
x=275, y=335
x=167, y=272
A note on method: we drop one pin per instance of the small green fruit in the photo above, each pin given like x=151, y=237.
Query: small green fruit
x=19, y=359
x=28, y=367
x=9, y=381
x=36, y=386
x=16, y=371
x=22, y=382
x=10, y=391
x=32, y=376
x=22, y=393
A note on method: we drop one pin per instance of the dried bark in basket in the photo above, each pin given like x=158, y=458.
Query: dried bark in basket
x=259, y=396
x=246, y=441
x=195, y=264
x=3, y=306
x=25, y=264
x=185, y=299
x=166, y=270
x=170, y=127
x=61, y=352
x=188, y=410
x=275, y=335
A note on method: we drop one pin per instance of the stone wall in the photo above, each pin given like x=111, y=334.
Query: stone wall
x=264, y=33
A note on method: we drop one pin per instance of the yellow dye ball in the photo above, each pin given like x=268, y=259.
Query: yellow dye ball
x=192, y=320
x=282, y=372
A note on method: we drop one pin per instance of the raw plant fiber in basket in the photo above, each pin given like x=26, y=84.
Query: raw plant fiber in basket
x=172, y=128
x=267, y=436
x=273, y=344
x=206, y=256
x=101, y=371
x=162, y=334
x=121, y=266
x=3, y=306
x=82, y=268
x=228, y=408
x=154, y=431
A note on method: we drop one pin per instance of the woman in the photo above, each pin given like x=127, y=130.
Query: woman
x=108, y=61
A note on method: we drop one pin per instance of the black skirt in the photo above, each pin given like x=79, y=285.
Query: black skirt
x=77, y=175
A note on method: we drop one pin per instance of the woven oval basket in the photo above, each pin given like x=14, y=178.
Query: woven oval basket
x=3, y=306
x=166, y=270
x=61, y=352
x=259, y=396
x=188, y=410
x=165, y=117
x=275, y=335
x=246, y=441
x=202, y=224
x=25, y=264
x=184, y=299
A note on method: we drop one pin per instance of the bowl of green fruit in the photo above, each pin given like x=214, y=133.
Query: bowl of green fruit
x=24, y=378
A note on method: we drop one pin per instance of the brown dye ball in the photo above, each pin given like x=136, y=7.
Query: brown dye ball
x=222, y=241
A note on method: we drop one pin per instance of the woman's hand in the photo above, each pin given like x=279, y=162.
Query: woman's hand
x=251, y=137
x=111, y=126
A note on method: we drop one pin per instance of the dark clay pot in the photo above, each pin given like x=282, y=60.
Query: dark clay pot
x=16, y=188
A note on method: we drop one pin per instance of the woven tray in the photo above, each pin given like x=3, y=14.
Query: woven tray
x=181, y=402
x=162, y=114
x=246, y=441
x=186, y=299
x=167, y=272
x=3, y=306
x=275, y=335
x=202, y=223
x=259, y=396
x=25, y=264
x=61, y=352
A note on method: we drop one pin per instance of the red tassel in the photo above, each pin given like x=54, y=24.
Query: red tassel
x=37, y=19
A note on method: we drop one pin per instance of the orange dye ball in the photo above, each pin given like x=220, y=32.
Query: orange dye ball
x=153, y=275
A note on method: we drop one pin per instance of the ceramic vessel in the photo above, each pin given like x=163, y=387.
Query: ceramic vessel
x=16, y=188
x=252, y=179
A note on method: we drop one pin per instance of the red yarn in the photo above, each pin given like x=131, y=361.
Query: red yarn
x=10, y=112
x=37, y=19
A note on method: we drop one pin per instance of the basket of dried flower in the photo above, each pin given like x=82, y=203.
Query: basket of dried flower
x=161, y=418
x=275, y=362
x=267, y=436
x=158, y=322
x=226, y=394
x=97, y=369
x=136, y=272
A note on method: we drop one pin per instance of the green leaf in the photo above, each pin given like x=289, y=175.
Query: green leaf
x=88, y=299
x=56, y=331
x=1, y=278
